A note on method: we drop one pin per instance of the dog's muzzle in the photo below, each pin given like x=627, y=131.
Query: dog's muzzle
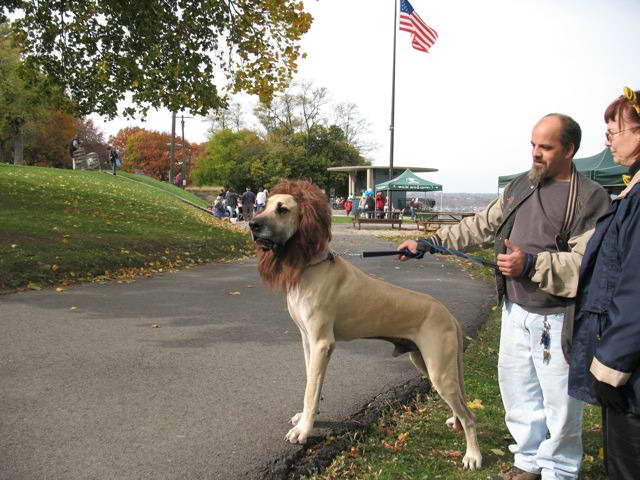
x=261, y=237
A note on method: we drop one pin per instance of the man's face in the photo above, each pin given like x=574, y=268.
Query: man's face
x=550, y=158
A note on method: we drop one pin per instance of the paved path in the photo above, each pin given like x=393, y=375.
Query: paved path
x=176, y=377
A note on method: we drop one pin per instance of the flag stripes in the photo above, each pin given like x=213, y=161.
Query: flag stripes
x=422, y=36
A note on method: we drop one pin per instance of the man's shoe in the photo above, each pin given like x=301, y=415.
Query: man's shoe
x=515, y=473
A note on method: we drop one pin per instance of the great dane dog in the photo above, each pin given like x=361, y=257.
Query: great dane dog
x=326, y=299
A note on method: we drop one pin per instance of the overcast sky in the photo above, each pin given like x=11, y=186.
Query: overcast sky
x=466, y=108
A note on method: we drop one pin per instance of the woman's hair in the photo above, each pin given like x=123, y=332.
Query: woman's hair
x=622, y=108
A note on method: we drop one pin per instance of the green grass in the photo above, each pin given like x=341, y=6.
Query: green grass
x=338, y=219
x=167, y=187
x=61, y=226
x=414, y=443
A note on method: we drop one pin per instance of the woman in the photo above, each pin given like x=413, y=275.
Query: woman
x=605, y=360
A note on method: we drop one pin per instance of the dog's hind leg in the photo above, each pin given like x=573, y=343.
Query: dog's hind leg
x=321, y=346
x=441, y=359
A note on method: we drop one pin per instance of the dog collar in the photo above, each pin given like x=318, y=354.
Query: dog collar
x=330, y=257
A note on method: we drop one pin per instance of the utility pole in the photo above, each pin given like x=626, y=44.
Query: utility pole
x=184, y=162
x=172, y=151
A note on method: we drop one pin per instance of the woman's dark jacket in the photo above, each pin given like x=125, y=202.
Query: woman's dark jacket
x=606, y=335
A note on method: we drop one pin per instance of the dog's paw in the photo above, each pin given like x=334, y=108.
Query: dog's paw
x=454, y=424
x=297, y=434
x=472, y=460
x=296, y=418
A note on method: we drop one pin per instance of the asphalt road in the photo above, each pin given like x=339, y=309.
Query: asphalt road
x=186, y=375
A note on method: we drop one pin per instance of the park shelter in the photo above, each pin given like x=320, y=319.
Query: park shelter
x=600, y=168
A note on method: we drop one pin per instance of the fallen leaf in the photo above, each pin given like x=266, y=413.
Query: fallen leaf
x=34, y=286
x=588, y=458
x=155, y=325
x=497, y=451
x=73, y=308
x=59, y=290
x=475, y=405
x=54, y=267
x=234, y=293
x=601, y=453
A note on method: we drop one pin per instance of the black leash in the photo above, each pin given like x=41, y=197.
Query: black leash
x=437, y=248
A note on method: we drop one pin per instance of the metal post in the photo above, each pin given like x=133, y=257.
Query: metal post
x=172, y=151
x=393, y=104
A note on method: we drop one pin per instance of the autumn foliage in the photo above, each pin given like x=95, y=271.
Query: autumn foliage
x=148, y=152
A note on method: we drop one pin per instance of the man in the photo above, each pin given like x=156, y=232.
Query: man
x=261, y=200
x=231, y=202
x=539, y=226
x=248, y=201
x=113, y=159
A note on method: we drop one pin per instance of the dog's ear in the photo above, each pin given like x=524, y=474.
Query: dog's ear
x=314, y=226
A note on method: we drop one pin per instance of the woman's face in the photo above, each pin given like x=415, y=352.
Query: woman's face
x=622, y=140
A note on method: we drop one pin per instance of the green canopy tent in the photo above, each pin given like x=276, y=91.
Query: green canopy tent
x=600, y=168
x=408, y=181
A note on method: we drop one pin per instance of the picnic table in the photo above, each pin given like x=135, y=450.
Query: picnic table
x=432, y=220
x=377, y=216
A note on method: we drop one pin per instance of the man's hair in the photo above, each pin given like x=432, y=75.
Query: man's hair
x=571, y=133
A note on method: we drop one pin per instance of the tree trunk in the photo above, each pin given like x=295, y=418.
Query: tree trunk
x=18, y=147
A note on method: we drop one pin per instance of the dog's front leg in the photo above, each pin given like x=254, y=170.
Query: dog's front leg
x=320, y=349
x=305, y=348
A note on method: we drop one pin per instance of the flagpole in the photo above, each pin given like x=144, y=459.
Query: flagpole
x=393, y=104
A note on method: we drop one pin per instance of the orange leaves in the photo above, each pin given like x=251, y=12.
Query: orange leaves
x=398, y=444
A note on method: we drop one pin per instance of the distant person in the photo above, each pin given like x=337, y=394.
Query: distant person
x=261, y=200
x=348, y=205
x=414, y=206
x=362, y=203
x=178, y=180
x=605, y=358
x=113, y=159
x=74, y=146
x=248, y=203
x=540, y=226
x=370, y=205
x=380, y=203
x=231, y=202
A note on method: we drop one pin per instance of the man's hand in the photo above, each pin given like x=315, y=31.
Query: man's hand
x=511, y=264
x=410, y=245
x=610, y=397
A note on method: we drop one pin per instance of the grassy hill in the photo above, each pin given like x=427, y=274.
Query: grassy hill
x=63, y=226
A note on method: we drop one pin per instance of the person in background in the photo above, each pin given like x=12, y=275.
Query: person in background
x=231, y=202
x=348, y=205
x=248, y=202
x=113, y=158
x=605, y=359
x=218, y=209
x=370, y=205
x=362, y=203
x=178, y=180
x=380, y=202
x=539, y=226
x=261, y=200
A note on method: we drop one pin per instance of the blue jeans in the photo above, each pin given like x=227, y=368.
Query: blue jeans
x=545, y=422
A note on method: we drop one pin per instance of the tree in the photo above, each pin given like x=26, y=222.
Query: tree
x=148, y=151
x=26, y=97
x=119, y=141
x=229, y=118
x=92, y=139
x=347, y=117
x=228, y=159
x=167, y=53
x=48, y=145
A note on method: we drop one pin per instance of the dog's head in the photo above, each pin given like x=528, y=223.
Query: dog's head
x=294, y=227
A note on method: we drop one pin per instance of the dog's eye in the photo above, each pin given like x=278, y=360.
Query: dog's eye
x=280, y=210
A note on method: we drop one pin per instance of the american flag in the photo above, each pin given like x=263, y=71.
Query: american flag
x=422, y=36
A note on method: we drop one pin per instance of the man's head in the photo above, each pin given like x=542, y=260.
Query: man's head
x=554, y=141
